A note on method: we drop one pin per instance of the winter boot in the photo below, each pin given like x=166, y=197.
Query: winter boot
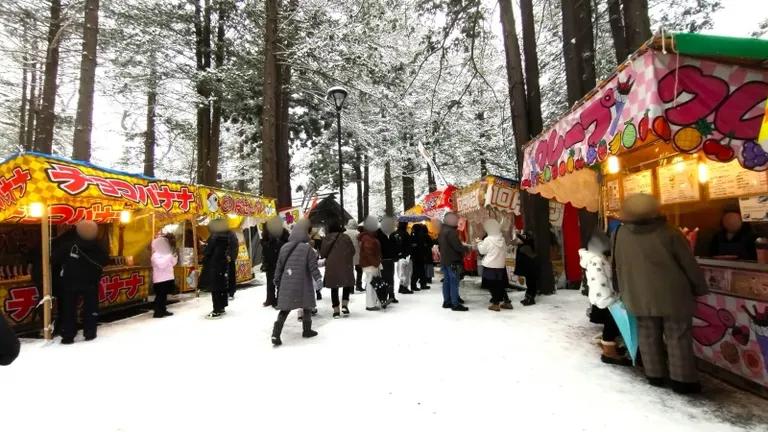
x=319, y=295
x=612, y=356
x=336, y=313
x=308, y=332
x=528, y=301
x=459, y=308
x=447, y=305
x=494, y=307
x=404, y=290
x=425, y=287
x=656, y=381
x=507, y=305
x=414, y=287
x=345, y=307
x=277, y=329
x=685, y=387
x=461, y=300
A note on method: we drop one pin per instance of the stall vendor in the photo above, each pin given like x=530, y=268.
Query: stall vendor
x=734, y=240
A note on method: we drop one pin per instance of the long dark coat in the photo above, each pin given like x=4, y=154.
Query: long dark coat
x=9, y=343
x=270, y=246
x=339, y=253
x=296, y=273
x=215, y=274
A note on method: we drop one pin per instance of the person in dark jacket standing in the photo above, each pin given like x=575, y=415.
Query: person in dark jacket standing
x=734, y=239
x=273, y=238
x=526, y=266
x=297, y=277
x=234, y=250
x=388, y=242
x=35, y=258
x=216, y=269
x=421, y=255
x=80, y=265
x=339, y=254
x=404, y=267
x=9, y=343
x=452, y=252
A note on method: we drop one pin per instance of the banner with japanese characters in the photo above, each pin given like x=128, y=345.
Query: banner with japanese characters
x=75, y=191
x=219, y=203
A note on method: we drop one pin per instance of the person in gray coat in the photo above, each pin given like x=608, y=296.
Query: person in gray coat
x=353, y=230
x=296, y=278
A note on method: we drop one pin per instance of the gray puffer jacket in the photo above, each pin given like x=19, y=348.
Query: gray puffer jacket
x=296, y=274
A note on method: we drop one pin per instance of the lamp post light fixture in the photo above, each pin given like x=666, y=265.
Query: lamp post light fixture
x=338, y=95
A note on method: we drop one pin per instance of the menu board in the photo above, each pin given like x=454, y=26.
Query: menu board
x=679, y=182
x=754, y=209
x=728, y=180
x=612, y=195
x=641, y=182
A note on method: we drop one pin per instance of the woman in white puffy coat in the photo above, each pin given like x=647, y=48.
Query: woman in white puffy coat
x=494, y=251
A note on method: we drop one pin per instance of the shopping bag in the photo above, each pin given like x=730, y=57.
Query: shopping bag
x=381, y=287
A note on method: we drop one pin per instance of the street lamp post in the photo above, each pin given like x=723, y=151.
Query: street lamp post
x=338, y=95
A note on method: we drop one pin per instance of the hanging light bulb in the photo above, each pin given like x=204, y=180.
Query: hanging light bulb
x=613, y=165
x=36, y=210
x=125, y=216
x=703, y=173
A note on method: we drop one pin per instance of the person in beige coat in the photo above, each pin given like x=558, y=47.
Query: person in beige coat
x=658, y=281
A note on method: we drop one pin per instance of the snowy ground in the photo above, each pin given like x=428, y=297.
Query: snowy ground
x=413, y=367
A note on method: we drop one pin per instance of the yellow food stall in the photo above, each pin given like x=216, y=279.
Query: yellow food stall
x=680, y=120
x=42, y=196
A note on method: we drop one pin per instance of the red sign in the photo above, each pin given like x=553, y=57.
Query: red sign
x=20, y=303
x=240, y=206
x=111, y=286
x=74, y=182
x=66, y=214
x=8, y=185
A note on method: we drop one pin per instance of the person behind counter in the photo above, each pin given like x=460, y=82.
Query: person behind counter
x=79, y=264
x=163, y=279
x=658, y=281
x=734, y=238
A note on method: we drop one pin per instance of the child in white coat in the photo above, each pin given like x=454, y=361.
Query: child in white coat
x=494, y=252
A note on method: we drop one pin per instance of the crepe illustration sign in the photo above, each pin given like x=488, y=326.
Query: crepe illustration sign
x=690, y=104
x=220, y=203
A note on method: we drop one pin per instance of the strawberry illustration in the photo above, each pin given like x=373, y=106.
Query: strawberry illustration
x=602, y=151
x=555, y=172
x=526, y=183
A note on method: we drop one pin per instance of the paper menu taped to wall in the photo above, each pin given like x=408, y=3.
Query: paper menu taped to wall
x=641, y=182
x=729, y=180
x=612, y=201
x=679, y=182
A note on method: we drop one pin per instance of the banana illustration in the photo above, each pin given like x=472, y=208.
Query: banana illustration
x=615, y=144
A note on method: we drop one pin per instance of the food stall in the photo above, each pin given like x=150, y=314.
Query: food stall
x=42, y=196
x=680, y=120
x=499, y=198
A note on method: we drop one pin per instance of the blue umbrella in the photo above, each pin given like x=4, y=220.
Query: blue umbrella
x=627, y=324
x=412, y=218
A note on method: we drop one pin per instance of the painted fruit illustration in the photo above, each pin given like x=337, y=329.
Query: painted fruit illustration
x=547, y=174
x=688, y=139
x=555, y=172
x=752, y=361
x=754, y=155
x=718, y=150
x=602, y=150
x=579, y=164
x=526, y=183
x=741, y=335
x=591, y=155
x=563, y=168
x=615, y=144
x=730, y=352
x=661, y=128
x=570, y=163
x=643, y=126
x=759, y=325
x=629, y=136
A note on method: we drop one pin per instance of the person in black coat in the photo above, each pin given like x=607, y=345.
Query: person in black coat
x=386, y=237
x=35, y=258
x=79, y=265
x=526, y=266
x=215, y=276
x=9, y=343
x=734, y=239
x=421, y=255
x=234, y=251
x=273, y=237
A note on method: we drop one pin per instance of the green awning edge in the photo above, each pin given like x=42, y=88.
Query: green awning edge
x=720, y=46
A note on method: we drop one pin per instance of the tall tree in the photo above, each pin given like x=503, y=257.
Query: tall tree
x=81, y=148
x=203, y=64
x=46, y=113
x=366, y=187
x=359, y=182
x=389, y=207
x=270, y=113
x=618, y=32
x=23, y=109
x=214, y=142
x=29, y=139
x=409, y=192
x=637, y=23
x=150, y=137
x=283, y=141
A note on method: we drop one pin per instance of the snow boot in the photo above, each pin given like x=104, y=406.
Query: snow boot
x=459, y=308
x=685, y=388
x=319, y=295
x=308, y=332
x=528, y=301
x=461, y=300
x=507, y=305
x=404, y=290
x=214, y=315
x=336, y=313
x=277, y=329
x=612, y=356
x=656, y=381
x=494, y=307
x=447, y=305
x=345, y=307
x=67, y=341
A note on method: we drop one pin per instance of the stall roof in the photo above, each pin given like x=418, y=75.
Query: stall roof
x=744, y=51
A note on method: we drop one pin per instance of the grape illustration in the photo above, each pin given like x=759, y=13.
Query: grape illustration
x=591, y=155
x=753, y=155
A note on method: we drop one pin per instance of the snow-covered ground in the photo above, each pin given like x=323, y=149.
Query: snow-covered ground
x=413, y=367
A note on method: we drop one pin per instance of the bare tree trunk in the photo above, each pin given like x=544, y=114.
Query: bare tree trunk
x=359, y=182
x=432, y=183
x=203, y=58
x=389, y=208
x=214, y=143
x=241, y=171
x=585, y=45
x=637, y=23
x=269, y=148
x=366, y=187
x=483, y=167
x=81, y=146
x=284, y=142
x=515, y=80
x=616, y=19
x=150, y=135
x=23, y=108
x=409, y=192
x=533, y=93
x=31, y=109
x=570, y=52
x=47, y=114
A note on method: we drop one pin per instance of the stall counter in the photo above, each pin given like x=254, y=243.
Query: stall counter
x=119, y=286
x=730, y=328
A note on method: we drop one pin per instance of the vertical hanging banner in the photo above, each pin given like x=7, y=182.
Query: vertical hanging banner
x=439, y=179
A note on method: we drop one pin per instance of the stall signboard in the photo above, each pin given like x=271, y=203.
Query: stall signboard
x=688, y=103
x=290, y=215
x=438, y=203
x=76, y=191
x=491, y=191
x=19, y=298
x=219, y=203
x=732, y=333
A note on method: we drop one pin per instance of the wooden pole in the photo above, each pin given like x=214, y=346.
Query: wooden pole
x=194, y=254
x=46, y=239
x=154, y=233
